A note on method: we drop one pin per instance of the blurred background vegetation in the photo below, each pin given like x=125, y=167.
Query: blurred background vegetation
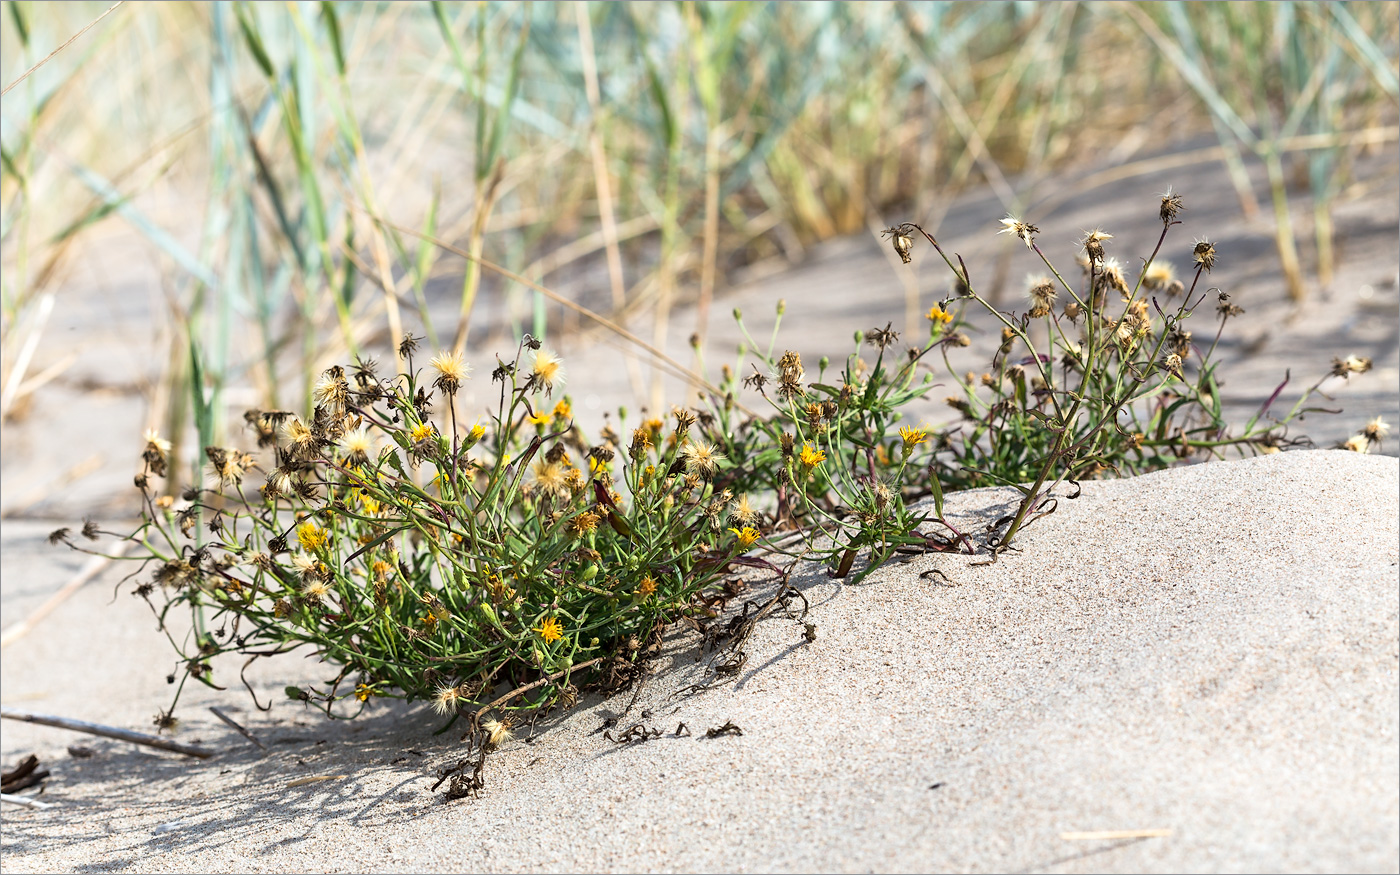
x=280, y=156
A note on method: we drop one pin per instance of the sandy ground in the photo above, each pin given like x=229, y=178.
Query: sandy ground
x=1210, y=650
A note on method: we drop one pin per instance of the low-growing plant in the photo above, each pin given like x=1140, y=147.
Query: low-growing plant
x=1111, y=379
x=503, y=566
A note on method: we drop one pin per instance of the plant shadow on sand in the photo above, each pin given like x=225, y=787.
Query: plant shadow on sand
x=381, y=768
x=380, y=763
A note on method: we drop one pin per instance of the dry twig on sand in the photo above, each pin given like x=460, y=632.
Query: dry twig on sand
x=107, y=731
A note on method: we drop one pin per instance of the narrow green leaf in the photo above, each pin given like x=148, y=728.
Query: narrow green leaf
x=250, y=36
x=119, y=202
x=503, y=112
x=17, y=15
x=203, y=410
x=1376, y=60
x=333, y=28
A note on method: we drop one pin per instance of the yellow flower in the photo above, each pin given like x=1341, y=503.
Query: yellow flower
x=370, y=505
x=937, y=315
x=562, y=410
x=746, y=537
x=421, y=432
x=646, y=587
x=430, y=622
x=477, y=433
x=363, y=692
x=811, y=456
x=551, y=630
x=583, y=523
x=912, y=438
x=550, y=477
x=540, y=418
x=312, y=537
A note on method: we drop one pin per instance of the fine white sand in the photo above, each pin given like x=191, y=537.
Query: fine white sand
x=1210, y=650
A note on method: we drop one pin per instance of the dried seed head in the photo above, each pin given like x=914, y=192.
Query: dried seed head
x=1023, y=230
x=790, y=375
x=156, y=452
x=1171, y=205
x=1110, y=278
x=742, y=512
x=1179, y=341
x=355, y=447
x=1204, y=254
x=756, y=380
x=228, y=465
x=880, y=493
x=701, y=458
x=1158, y=277
x=900, y=236
x=684, y=420
x=332, y=393
x=1350, y=365
x=452, y=372
x=300, y=439
x=881, y=338
x=1042, y=293
x=1093, y=244
x=546, y=371
x=1072, y=310
x=498, y=732
x=445, y=698
x=1226, y=309
x=1376, y=430
x=1357, y=444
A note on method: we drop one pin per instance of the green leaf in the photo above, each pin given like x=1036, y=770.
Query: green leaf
x=203, y=410
x=333, y=28
x=250, y=36
x=17, y=14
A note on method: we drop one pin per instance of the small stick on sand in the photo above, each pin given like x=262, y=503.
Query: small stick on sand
x=1108, y=834
x=106, y=731
x=241, y=731
x=25, y=801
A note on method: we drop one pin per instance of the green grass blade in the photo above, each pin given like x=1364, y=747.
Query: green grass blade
x=168, y=244
x=254, y=41
x=1376, y=60
x=333, y=30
